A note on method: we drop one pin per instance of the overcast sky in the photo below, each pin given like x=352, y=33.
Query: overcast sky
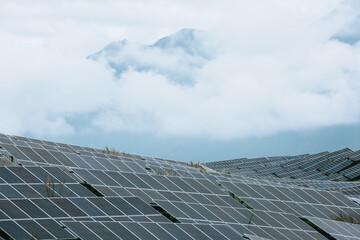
x=278, y=67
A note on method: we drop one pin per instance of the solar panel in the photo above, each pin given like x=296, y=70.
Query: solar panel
x=55, y=228
x=36, y=230
x=8, y=176
x=50, y=208
x=80, y=230
x=158, y=231
x=120, y=230
x=64, y=191
x=10, y=192
x=68, y=207
x=101, y=230
x=139, y=230
x=106, y=206
x=87, y=207
x=13, y=230
x=11, y=210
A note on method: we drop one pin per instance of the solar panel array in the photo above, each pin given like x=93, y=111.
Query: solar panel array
x=52, y=190
x=339, y=170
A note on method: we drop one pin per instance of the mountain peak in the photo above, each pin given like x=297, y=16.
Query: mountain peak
x=185, y=50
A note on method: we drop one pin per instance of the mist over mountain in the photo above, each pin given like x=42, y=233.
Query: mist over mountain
x=177, y=56
x=350, y=33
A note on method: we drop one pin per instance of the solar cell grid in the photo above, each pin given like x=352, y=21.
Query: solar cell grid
x=84, y=153
x=120, y=230
x=106, y=206
x=3, y=216
x=78, y=160
x=276, y=192
x=61, y=175
x=25, y=175
x=93, y=162
x=65, y=149
x=196, y=185
x=140, y=205
x=216, y=200
x=80, y=230
x=135, y=180
x=135, y=167
x=31, y=154
x=47, y=156
x=192, y=213
x=304, y=195
x=274, y=233
x=62, y=158
x=290, y=194
x=170, y=196
x=200, y=198
x=12, y=210
x=31, y=209
x=120, y=179
x=151, y=181
x=288, y=234
x=109, y=156
x=101, y=230
x=234, y=189
x=157, y=231
x=34, y=145
x=14, y=151
x=87, y=207
x=166, y=183
x=241, y=229
x=210, y=231
x=269, y=205
x=106, y=163
x=103, y=177
x=68, y=207
x=80, y=190
x=20, y=143
x=9, y=192
x=14, y=230
x=140, y=219
x=50, y=208
x=8, y=176
x=172, y=209
x=228, y=232
x=175, y=231
x=236, y=215
x=220, y=213
x=184, y=197
x=181, y=184
x=140, y=231
x=6, y=140
x=54, y=228
x=121, y=166
x=101, y=155
x=120, y=191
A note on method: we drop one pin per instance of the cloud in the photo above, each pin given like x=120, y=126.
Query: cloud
x=350, y=33
x=277, y=67
x=177, y=57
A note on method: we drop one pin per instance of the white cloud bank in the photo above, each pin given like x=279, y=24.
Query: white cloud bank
x=277, y=68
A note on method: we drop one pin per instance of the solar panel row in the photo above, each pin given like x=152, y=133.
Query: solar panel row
x=52, y=190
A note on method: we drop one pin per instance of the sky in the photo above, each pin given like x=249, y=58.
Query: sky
x=257, y=78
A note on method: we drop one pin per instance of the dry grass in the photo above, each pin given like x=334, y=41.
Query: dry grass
x=349, y=218
x=224, y=171
x=50, y=188
x=165, y=173
x=115, y=152
x=196, y=165
x=5, y=160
